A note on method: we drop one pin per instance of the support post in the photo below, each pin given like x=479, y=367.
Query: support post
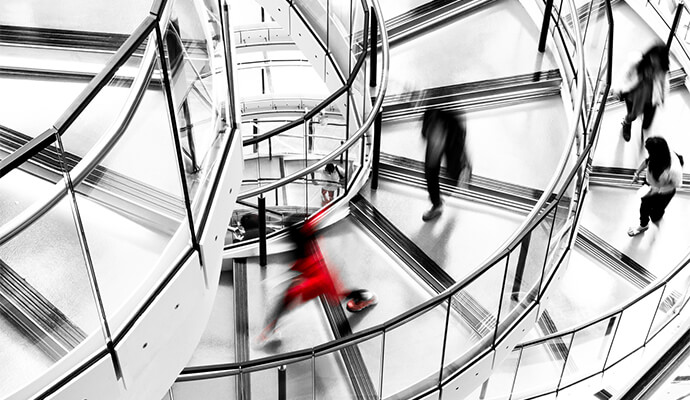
x=282, y=383
x=373, y=46
x=262, y=231
x=520, y=268
x=674, y=27
x=377, y=151
x=545, y=25
x=255, y=133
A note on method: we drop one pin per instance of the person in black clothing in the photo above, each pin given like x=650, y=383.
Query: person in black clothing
x=643, y=87
x=445, y=136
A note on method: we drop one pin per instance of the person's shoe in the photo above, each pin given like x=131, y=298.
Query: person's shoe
x=367, y=300
x=632, y=231
x=433, y=212
x=266, y=336
x=625, y=130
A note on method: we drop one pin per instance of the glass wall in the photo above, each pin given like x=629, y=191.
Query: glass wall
x=102, y=206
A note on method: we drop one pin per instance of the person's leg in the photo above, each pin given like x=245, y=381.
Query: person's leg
x=646, y=204
x=292, y=294
x=434, y=189
x=628, y=119
x=660, y=202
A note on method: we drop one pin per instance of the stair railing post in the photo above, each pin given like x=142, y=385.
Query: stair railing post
x=545, y=25
x=373, y=46
x=377, y=151
x=674, y=26
x=282, y=383
x=262, y=231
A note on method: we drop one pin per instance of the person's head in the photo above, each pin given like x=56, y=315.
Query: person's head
x=301, y=235
x=659, y=155
x=330, y=168
x=656, y=58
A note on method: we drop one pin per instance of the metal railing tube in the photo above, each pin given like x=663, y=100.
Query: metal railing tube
x=225, y=15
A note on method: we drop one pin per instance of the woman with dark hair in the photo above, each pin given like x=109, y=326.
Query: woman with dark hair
x=664, y=175
x=644, y=87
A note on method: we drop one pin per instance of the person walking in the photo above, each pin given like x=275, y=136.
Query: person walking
x=664, y=175
x=331, y=181
x=312, y=279
x=445, y=136
x=643, y=87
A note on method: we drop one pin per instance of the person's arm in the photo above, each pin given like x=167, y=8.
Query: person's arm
x=636, y=175
x=627, y=78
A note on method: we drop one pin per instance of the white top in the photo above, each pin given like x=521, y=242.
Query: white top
x=670, y=179
x=330, y=182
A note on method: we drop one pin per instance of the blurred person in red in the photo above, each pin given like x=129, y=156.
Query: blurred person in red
x=312, y=279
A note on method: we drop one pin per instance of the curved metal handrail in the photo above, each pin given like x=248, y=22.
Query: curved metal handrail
x=228, y=369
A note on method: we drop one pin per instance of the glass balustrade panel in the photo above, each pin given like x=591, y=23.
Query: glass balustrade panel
x=540, y=367
x=472, y=323
x=49, y=308
x=360, y=102
x=561, y=232
x=339, y=34
x=358, y=37
x=29, y=185
x=516, y=294
x=536, y=253
x=294, y=380
x=196, y=70
x=674, y=299
x=595, y=36
x=634, y=326
x=500, y=383
x=133, y=208
x=412, y=353
x=589, y=350
x=103, y=116
x=352, y=372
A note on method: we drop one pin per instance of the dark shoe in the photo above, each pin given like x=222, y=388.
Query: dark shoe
x=367, y=300
x=625, y=130
x=432, y=213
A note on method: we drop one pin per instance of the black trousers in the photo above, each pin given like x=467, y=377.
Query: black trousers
x=647, y=116
x=432, y=183
x=653, y=207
